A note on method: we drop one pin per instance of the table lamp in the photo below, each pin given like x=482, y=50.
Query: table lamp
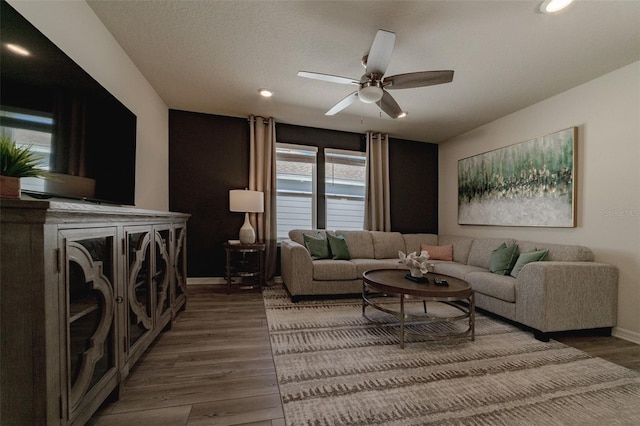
x=245, y=201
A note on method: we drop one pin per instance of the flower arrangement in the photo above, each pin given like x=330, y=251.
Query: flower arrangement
x=418, y=265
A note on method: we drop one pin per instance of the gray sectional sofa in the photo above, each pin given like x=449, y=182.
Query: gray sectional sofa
x=565, y=291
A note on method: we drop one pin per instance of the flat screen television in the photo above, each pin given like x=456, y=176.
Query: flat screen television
x=85, y=136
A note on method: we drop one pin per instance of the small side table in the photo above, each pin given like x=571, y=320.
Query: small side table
x=245, y=261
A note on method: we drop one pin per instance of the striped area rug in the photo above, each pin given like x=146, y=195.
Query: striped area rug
x=335, y=368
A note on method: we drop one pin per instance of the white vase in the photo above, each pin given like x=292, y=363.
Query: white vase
x=247, y=233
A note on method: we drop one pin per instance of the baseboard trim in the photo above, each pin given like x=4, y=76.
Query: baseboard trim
x=218, y=280
x=624, y=334
x=206, y=281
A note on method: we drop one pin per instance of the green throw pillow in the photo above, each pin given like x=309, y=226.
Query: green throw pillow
x=339, y=248
x=503, y=259
x=318, y=247
x=524, y=258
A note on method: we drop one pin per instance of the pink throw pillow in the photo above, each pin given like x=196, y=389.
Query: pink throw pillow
x=438, y=252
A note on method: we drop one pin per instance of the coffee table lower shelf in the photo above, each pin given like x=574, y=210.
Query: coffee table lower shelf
x=389, y=283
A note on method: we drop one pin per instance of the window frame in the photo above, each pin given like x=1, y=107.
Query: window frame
x=336, y=153
x=314, y=179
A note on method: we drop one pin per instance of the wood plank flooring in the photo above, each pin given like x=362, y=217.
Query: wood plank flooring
x=214, y=367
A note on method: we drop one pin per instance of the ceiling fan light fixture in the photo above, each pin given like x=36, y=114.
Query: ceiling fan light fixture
x=403, y=114
x=370, y=94
x=553, y=6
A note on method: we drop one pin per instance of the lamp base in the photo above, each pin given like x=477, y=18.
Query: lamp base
x=247, y=233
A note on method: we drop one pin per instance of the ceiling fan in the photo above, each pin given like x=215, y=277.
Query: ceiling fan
x=373, y=85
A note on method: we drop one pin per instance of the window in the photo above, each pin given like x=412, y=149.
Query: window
x=295, y=188
x=336, y=201
x=345, y=185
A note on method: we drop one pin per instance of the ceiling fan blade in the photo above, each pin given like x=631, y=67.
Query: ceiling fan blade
x=380, y=53
x=345, y=102
x=327, y=77
x=417, y=79
x=389, y=105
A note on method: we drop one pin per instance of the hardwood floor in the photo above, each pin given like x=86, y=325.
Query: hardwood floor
x=214, y=367
x=613, y=349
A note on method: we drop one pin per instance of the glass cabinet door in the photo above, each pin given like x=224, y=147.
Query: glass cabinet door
x=139, y=286
x=89, y=267
x=179, y=265
x=161, y=274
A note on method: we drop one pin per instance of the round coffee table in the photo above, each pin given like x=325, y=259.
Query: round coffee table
x=392, y=282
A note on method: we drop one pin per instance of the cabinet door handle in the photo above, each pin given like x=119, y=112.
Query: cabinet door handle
x=119, y=299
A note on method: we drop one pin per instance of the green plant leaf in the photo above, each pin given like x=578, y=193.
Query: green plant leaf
x=18, y=161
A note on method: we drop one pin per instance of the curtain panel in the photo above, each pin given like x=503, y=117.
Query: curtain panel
x=377, y=214
x=262, y=177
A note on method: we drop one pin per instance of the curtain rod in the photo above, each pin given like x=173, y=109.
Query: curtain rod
x=264, y=120
x=374, y=135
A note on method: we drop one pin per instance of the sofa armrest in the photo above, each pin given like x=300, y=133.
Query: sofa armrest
x=558, y=296
x=296, y=268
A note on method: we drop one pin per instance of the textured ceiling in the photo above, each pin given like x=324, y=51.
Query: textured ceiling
x=212, y=56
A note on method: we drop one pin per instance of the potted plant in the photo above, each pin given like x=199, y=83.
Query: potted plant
x=16, y=162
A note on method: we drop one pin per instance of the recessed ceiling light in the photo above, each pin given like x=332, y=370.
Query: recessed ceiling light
x=17, y=49
x=553, y=6
x=403, y=114
x=265, y=92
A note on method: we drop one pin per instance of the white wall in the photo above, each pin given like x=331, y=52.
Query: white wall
x=607, y=113
x=77, y=31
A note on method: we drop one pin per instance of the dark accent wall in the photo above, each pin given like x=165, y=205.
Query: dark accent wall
x=209, y=155
x=413, y=177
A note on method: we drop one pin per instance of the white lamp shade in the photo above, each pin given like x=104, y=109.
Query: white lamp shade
x=243, y=200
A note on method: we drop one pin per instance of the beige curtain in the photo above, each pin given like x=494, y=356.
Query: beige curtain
x=377, y=214
x=262, y=177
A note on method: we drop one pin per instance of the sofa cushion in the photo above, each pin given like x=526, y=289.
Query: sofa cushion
x=559, y=252
x=297, y=235
x=329, y=269
x=481, y=249
x=363, y=265
x=503, y=259
x=386, y=245
x=318, y=246
x=524, y=258
x=455, y=269
x=502, y=287
x=438, y=252
x=338, y=246
x=412, y=242
x=461, y=246
x=359, y=243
